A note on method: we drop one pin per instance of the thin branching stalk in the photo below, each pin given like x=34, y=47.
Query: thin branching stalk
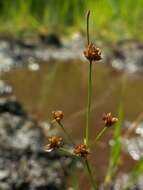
x=100, y=134
x=65, y=151
x=90, y=174
x=66, y=133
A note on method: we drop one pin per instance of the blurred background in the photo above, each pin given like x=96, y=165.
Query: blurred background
x=111, y=20
x=42, y=68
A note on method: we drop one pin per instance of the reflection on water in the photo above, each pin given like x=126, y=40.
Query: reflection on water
x=62, y=85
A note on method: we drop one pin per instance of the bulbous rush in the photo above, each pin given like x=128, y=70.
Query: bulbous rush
x=109, y=120
x=92, y=53
x=81, y=150
x=53, y=143
x=57, y=115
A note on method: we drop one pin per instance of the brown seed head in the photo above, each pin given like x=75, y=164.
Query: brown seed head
x=109, y=120
x=57, y=115
x=54, y=142
x=92, y=53
x=81, y=150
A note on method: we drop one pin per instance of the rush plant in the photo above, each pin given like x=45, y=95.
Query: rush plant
x=82, y=150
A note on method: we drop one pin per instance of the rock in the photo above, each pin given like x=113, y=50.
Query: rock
x=33, y=65
x=127, y=55
x=121, y=181
x=5, y=89
x=12, y=107
x=13, y=54
x=50, y=39
x=25, y=44
x=134, y=145
x=23, y=163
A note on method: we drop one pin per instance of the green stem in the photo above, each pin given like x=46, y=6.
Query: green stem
x=66, y=151
x=89, y=102
x=108, y=177
x=110, y=173
x=67, y=134
x=100, y=134
x=90, y=174
x=87, y=27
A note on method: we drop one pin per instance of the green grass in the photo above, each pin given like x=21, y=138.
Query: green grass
x=135, y=173
x=138, y=169
x=111, y=19
x=115, y=148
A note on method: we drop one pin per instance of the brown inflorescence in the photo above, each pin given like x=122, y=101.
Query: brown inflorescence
x=81, y=150
x=109, y=120
x=92, y=53
x=57, y=115
x=53, y=143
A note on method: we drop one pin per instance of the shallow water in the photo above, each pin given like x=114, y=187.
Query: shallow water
x=62, y=85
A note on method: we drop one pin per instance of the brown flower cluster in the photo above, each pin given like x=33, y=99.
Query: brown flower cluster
x=109, y=120
x=54, y=142
x=92, y=53
x=81, y=150
x=57, y=115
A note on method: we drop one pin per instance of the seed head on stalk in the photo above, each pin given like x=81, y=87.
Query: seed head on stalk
x=81, y=150
x=109, y=120
x=53, y=143
x=57, y=115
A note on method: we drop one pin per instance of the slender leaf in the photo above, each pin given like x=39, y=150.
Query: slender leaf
x=115, y=148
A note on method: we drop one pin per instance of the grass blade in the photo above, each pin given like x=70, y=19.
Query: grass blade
x=115, y=149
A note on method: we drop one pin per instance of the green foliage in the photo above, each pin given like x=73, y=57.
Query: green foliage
x=115, y=149
x=135, y=173
x=112, y=19
x=138, y=170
